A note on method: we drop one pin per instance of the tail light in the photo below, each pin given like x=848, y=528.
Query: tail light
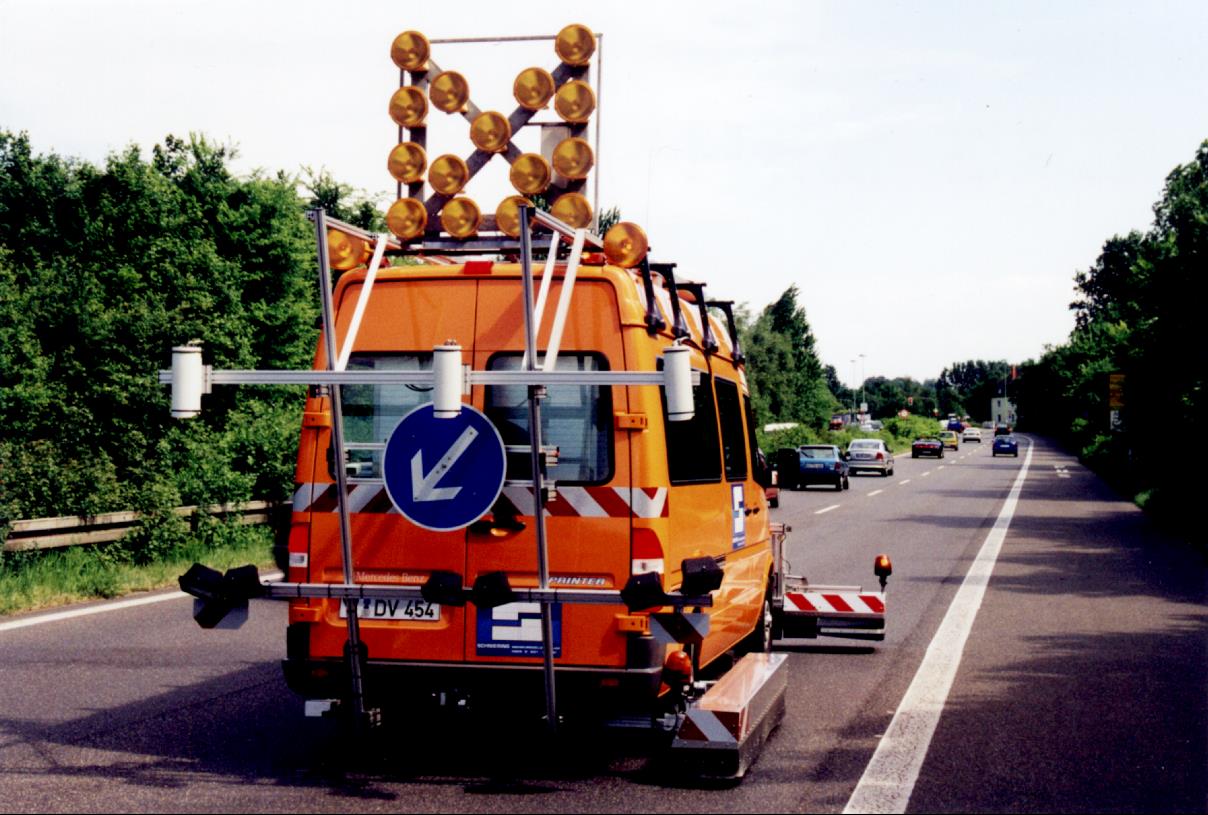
x=880, y=456
x=677, y=670
x=647, y=553
x=838, y=466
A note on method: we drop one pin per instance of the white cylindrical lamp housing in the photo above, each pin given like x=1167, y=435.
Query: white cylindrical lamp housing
x=677, y=381
x=188, y=381
x=446, y=369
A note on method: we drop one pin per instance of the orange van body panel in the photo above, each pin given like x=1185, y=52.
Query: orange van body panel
x=413, y=308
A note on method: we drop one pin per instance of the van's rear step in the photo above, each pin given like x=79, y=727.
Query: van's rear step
x=724, y=730
x=809, y=611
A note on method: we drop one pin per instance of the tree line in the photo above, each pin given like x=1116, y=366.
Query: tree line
x=103, y=269
x=1137, y=319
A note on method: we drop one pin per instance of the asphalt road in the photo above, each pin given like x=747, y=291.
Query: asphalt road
x=1082, y=686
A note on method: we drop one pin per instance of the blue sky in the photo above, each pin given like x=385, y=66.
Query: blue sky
x=929, y=176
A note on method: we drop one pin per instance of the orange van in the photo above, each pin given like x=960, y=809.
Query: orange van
x=634, y=493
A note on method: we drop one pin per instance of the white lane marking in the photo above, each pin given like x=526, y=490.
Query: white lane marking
x=117, y=605
x=875, y=492
x=890, y=776
x=940, y=467
x=827, y=509
x=924, y=475
x=903, y=482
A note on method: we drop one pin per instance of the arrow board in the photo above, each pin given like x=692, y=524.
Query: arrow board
x=444, y=474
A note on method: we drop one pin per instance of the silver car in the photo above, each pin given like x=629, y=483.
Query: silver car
x=870, y=455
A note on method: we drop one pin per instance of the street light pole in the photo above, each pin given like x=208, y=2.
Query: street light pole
x=862, y=377
x=853, y=389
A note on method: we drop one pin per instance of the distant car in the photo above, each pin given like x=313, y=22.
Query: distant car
x=812, y=464
x=955, y=425
x=1006, y=446
x=836, y=423
x=1001, y=429
x=927, y=446
x=869, y=455
x=950, y=439
x=971, y=434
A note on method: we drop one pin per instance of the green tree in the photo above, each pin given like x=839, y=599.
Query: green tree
x=787, y=380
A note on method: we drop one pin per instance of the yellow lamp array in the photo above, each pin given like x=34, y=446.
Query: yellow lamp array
x=491, y=132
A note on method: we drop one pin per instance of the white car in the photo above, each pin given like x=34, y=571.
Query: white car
x=871, y=455
x=971, y=434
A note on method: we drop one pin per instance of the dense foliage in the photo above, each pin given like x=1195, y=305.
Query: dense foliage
x=102, y=271
x=787, y=380
x=966, y=388
x=1137, y=314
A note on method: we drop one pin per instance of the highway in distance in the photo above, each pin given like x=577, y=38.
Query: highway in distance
x=1047, y=650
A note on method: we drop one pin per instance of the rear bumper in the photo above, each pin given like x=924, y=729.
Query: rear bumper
x=875, y=466
x=581, y=690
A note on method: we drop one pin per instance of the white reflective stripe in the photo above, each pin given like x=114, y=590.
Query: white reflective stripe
x=303, y=497
x=642, y=505
x=708, y=724
x=362, y=302
x=361, y=495
x=547, y=276
x=521, y=498
x=582, y=502
x=819, y=602
x=643, y=566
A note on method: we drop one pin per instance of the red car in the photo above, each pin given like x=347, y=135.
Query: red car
x=927, y=447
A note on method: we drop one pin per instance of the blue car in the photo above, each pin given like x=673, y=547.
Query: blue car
x=1006, y=445
x=811, y=464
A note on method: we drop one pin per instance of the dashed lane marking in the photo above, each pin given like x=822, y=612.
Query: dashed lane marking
x=875, y=492
x=826, y=509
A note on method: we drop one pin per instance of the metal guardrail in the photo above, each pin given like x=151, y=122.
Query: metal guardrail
x=72, y=530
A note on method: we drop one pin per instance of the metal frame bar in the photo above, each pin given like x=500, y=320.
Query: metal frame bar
x=335, y=378
x=281, y=590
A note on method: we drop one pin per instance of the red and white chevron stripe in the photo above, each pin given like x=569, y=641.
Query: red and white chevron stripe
x=833, y=603
x=583, y=502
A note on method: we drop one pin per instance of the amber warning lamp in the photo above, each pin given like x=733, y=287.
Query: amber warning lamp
x=572, y=209
x=460, y=217
x=530, y=174
x=533, y=88
x=408, y=107
x=407, y=218
x=573, y=158
x=625, y=244
x=449, y=92
x=407, y=162
x=882, y=568
x=449, y=174
x=575, y=101
x=410, y=51
x=507, y=215
x=575, y=44
x=346, y=252
x=491, y=132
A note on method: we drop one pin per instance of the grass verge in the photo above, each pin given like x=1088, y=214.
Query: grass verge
x=35, y=580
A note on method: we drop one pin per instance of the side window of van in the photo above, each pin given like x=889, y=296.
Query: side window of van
x=371, y=412
x=577, y=419
x=693, y=451
x=733, y=443
x=752, y=441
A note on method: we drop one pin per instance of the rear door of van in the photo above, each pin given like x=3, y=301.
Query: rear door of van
x=588, y=523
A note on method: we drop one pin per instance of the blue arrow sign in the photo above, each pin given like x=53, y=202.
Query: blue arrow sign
x=444, y=474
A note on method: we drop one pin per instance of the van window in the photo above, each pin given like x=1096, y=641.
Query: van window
x=752, y=441
x=371, y=412
x=693, y=450
x=577, y=419
x=733, y=443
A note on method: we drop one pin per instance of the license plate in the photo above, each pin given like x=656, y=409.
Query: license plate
x=814, y=466
x=395, y=609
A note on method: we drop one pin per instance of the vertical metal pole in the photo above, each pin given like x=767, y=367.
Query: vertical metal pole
x=337, y=441
x=535, y=394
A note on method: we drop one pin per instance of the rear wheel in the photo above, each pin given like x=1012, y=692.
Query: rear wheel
x=914, y=455
x=759, y=641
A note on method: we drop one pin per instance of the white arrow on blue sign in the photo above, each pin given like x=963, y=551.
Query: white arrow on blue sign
x=444, y=474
